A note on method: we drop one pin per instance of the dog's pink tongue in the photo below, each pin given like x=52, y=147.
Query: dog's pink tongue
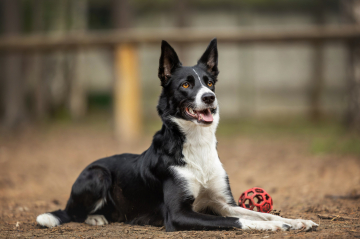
x=205, y=116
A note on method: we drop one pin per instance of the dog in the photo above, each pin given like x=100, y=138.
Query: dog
x=179, y=181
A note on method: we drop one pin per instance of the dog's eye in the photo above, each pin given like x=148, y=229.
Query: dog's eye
x=185, y=85
x=210, y=84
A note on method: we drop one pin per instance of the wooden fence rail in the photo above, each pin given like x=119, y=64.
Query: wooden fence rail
x=183, y=35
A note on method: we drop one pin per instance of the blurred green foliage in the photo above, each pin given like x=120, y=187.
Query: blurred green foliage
x=323, y=137
x=337, y=145
x=100, y=101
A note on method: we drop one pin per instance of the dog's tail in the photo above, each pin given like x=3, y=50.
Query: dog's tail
x=53, y=219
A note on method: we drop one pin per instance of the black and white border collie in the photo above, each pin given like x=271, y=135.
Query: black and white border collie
x=179, y=182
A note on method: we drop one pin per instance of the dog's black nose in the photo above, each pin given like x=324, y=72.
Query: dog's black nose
x=208, y=98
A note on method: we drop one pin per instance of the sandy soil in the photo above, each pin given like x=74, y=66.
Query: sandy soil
x=38, y=167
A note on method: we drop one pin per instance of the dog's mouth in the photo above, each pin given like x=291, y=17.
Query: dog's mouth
x=202, y=116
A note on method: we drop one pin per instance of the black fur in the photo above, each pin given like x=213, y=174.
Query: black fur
x=141, y=189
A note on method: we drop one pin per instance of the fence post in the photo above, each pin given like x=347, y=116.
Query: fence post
x=14, y=92
x=78, y=95
x=317, y=81
x=127, y=93
x=351, y=13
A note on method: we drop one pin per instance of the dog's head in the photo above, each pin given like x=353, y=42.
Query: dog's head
x=188, y=92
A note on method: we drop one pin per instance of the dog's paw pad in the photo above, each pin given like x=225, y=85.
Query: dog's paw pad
x=286, y=227
x=96, y=220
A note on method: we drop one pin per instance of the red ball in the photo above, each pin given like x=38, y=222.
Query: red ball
x=256, y=198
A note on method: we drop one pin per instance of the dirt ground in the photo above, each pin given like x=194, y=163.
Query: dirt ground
x=38, y=167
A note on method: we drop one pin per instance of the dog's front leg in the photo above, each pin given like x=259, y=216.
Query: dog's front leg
x=179, y=215
x=222, y=202
x=246, y=214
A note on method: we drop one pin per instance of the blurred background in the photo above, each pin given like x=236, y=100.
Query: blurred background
x=307, y=80
x=78, y=81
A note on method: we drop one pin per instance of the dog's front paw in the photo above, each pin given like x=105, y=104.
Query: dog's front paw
x=301, y=223
x=264, y=225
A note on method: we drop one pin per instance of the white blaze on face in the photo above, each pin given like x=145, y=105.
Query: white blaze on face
x=198, y=102
x=199, y=78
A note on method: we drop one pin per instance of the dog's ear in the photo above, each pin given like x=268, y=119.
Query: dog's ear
x=168, y=62
x=209, y=60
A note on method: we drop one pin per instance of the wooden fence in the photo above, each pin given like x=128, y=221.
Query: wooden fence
x=181, y=35
x=127, y=95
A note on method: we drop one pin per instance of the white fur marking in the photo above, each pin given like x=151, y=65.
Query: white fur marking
x=198, y=77
x=47, y=220
x=99, y=204
x=96, y=220
x=198, y=101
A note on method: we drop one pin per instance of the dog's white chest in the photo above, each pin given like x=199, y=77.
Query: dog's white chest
x=203, y=167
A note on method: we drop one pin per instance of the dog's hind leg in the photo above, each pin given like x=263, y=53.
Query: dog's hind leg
x=53, y=219
x=89, y=195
